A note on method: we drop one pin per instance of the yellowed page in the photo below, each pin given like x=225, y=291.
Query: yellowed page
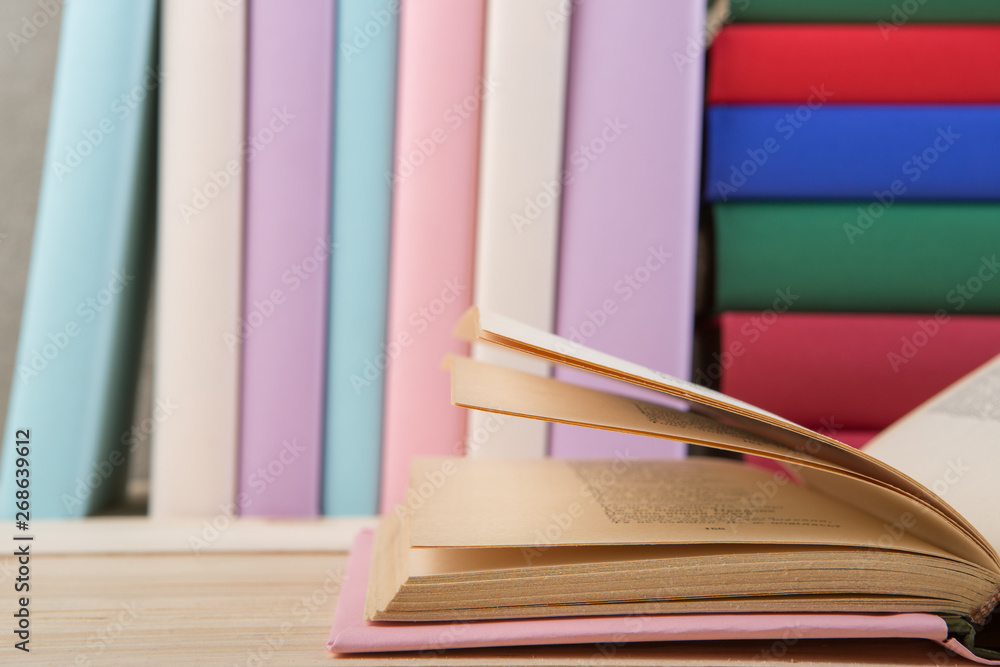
x=506, y=332
x=951, y=445
x=541, y=503
x=493, y=388
x=483, y=386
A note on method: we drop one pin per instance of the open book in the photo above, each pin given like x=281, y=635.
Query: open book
x=839, y=530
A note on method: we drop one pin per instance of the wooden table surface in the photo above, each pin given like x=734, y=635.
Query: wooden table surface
x=129, y=591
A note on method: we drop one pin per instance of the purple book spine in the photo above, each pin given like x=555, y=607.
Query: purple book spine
x=283, y=331
x=630, y=207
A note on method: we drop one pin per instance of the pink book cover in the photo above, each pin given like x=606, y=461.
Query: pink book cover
x=350, y=633
x=849, y=371
x=434, y=184
x=283, y=329
x=630, y=209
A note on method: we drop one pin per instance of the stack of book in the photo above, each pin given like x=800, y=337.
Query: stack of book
x=851, y=164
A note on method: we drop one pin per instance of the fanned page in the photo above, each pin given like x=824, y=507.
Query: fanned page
x=490, y=327
x=492, y=388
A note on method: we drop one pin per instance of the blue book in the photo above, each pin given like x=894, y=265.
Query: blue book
x=365, y=102
x=867, y=153
x=77, y=360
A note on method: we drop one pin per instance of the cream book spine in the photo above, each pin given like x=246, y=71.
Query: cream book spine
x=199, y=268
x=520, y=181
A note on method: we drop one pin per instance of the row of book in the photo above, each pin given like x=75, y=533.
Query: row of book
x=853, y=175
x=315, y=194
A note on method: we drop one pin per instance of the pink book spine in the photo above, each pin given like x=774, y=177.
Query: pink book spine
x=289, y=117
x=439, y=94
x=630, y=203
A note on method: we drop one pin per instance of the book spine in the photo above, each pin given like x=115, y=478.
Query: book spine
x=849, y=371
x=199, y=279
x=630, y=205
x=520, y=181
x=367, y=36
x=889, y=14
x=864, y=256
x=77, y=361
x=855, y=63
x=439, y=95
x=890, y=152
x=289, y=125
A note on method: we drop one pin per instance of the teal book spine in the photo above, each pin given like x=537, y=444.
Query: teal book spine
x=367, y=34
x=75, y=374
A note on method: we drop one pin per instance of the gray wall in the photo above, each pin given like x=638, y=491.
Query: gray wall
x=25, y=91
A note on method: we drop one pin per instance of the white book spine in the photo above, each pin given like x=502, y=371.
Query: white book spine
x=520, y=181
x=199, y=265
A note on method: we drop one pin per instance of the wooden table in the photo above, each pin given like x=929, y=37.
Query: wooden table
x=250, y=592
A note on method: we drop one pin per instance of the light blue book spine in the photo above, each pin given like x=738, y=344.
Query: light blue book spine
x=367, y=34
x=77, y=359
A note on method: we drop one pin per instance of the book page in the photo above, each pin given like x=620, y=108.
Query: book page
x=951, y=444
x=483, y=386
x=540, y=503
x=494, y=328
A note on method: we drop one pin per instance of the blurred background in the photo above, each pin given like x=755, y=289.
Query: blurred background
x=258, y=222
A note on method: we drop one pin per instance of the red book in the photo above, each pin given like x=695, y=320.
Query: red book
x=862, y=63
x=847, y=371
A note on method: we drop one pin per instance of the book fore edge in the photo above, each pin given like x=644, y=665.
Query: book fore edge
x=982, y=615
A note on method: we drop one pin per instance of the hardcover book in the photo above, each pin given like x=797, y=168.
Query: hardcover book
x=364, y=117
x=77, y=363
x=905, y=527
x=631, y=168
x=199, y=266
x=779, y=63
x=874, y=153
x=520, y=190
x=875, y=255
x=434, y=185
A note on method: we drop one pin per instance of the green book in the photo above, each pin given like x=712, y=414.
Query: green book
x=893, y=12
x=858, y=257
